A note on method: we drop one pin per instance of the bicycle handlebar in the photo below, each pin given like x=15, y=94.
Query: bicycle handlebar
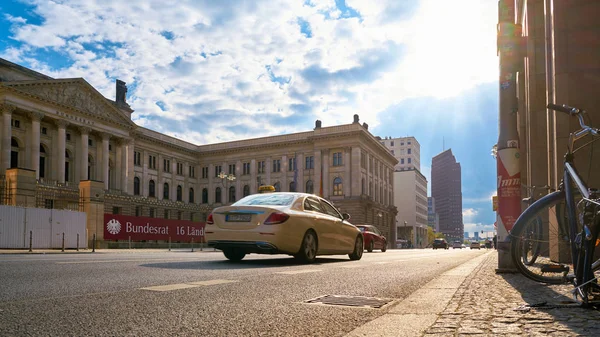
x=564, y=108
x=585, y=129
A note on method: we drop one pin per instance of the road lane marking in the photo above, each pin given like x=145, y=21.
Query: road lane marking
x=196, y=284
x=301, y=271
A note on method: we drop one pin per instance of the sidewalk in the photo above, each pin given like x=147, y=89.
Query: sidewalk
x=485, y=305
x=103, y=251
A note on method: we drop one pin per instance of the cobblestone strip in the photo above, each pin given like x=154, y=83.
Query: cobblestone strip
x=484, y=306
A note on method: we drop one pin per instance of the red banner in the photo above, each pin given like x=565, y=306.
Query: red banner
x=123, y=227
x=509, y=187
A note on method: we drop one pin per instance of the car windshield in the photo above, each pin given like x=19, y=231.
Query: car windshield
x=266, y=200
x=362, y=229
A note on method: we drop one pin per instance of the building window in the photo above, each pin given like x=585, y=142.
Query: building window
x=393, y=152
x=137, y=158
x=152, y=212
x=337, y=186
x=151, y=189
x=179, y=215
x=152, y=162
x=15, y=123
x=138, y=210
x=408, y=151
x=292, y=164
x=192, y=172
x=260, y=167
x=392, y=143
x=205, y=172
x=90, y=142
x=409, y=160
x=42, y=162
x=205, y=196
x=217, y=170
x=310, y=187
x=232, y=194
x=362, y=186
x=109, y=147
x=246, y=190
x=277, y=186
x=191, y=196
x=166, y=214
x=166, y=191
x=218, y=195
x=401, y=160
x=136, y=186
x=337, y=159
x=48, y=203
x=179, y=193
x=309, y=162
x=192, y=214
x=402, y=144
x=231, y=169
x=167, y=165
x=408, y=142
x=68, y=135
x=293, y=186
x=180, y=169
x=246, y=168
x=116, y=210
x=44, y=130
x=277, y=165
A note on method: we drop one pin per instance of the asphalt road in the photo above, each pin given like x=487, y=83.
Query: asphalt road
x=141, y=293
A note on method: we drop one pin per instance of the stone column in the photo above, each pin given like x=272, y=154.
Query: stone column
x=83, y=160
x=62, y=147
x=238, y=181
x=126, y=165
x=6, y=110
x=253, y=177
x=268, y=168
x=326, y=182
x=318, y=171
x=348, y=178
x=105, y=159
x=34, y=146
x=211, y=184
x=355, y=175
x=92, y=203
x=119, y=165
x=284, y=172
x=300, y=186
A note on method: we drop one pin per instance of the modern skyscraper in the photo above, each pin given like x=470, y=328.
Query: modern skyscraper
x=447, y=191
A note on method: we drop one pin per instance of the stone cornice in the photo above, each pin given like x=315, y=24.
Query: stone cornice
x=6, y=108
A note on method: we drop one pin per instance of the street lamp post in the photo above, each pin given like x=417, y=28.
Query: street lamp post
x=225, y=178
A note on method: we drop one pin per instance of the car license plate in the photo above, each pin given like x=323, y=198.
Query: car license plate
x=238, y=217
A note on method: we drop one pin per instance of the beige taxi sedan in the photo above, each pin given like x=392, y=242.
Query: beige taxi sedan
x=299, y=224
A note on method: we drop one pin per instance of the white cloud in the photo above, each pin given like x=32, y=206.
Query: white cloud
x=200, y=58
x=469, y=214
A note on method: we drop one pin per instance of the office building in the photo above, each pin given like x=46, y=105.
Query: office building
x=446, y=189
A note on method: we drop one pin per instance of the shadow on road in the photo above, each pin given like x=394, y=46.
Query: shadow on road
x=244, y=264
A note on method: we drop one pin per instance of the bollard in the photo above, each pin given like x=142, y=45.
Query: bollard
x=201, y=242
x=77, y=241
x=130, y=242
x=192, y=245
x=30, y=241
x=94, y=243
x=63, y=242
x=169, y=243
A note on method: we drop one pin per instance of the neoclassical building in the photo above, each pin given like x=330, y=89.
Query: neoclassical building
x=64, y=145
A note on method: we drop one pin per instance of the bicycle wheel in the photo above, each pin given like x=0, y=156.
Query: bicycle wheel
x=541, y=232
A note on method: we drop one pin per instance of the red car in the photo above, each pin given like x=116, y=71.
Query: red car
x=373, y=238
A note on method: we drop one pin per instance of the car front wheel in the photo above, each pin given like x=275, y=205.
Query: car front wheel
x=358, y=249
x=371, y=246
x=384, y=248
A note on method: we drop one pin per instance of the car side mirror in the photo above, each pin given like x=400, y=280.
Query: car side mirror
x=345, y=216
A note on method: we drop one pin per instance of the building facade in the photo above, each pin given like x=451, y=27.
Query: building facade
x=446, y=189
x=433, y=218
x=410, y=198
x=64, y=145
x=406, y=150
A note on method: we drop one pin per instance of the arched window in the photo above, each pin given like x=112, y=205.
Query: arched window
x=14, y=153
x=191, y=196
x=166, y=191
x=310, y=187
x=151, y=189
x=232, y=194
x=277, y=186
x=179, y=193
x=246, y=190
x=136, y=186
x=91, y=168
x=218, y=195
x=337, y=186
x=42, y=162
x=67, y=166
x=205, y=196
x=293, y=186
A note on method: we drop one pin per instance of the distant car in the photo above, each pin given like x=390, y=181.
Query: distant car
x=299, y=224
x=475, y=245
x=488, y=244
x=373, y=238
x=457, y=244
x=440, y=243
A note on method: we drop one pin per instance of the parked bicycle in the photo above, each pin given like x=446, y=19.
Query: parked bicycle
x=532, y=236
x=564, y=225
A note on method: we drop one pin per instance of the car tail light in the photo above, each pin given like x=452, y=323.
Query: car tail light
x=276, y=218
x=209, y=220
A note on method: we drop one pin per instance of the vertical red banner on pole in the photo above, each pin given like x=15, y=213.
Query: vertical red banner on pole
x=509, y=186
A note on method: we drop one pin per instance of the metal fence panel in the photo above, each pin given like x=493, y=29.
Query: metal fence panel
x=37, y=220
x=12, y=227
x=70, y=223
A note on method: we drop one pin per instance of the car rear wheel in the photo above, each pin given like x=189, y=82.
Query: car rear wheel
x=384, y=248
x=371, y=246
x=234, y=254
x=359, y=247
x=308, y=250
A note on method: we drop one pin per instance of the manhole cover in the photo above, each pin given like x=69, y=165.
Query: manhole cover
x=351, y=301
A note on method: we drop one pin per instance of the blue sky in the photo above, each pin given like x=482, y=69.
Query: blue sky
x=212, y=71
